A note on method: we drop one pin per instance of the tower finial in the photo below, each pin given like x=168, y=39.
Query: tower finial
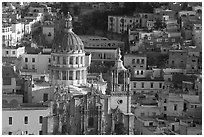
x=119, y=62
x=68, y=21
x=118, y=54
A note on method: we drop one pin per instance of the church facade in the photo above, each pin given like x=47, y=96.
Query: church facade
x=91, y=112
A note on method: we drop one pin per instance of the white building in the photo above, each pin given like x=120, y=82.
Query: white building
x=37, y=63
x=13, y=51
x=172, y=105
x=17, y=32
x=101, y=42
x=146, y=85
x=6, y=34
x=146, y=110
x=24, y=119
x=102, y=49
x=42, y=92
x=120, y=24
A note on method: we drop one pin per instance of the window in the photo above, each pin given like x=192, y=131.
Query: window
x=152, y=85
x=64, y=75
x=40, y=119
x=58, y=60
x=64, y=60
x=193, y=60
x=142, y=61
x=165, y=100
x=141, y=72
x=10, y=120
x=33, y=59
x=10, y=133
x=71, y=60
x=165, y=108
x=135, y=84
x=40, y=132
x=76, y=60
x=133, y=61
x=149, y=38
x=57, y=75
x=160, y=85
x=70, y=75
x=91, y=122
x=49, y=60
x=150, y=123
x=7, y=52
x=13, y=52
x=33, y=66
x=138, y=61
x=175, y=107
x=49, y=34
x=142, y=84
x=45, y=97
x=138, y=72
x=25, y=120
x=142, y=114
x=81, y=60
x=26, y=59
x=172, y=62
x=151, y=43
x=159, y=40
x=53, y=58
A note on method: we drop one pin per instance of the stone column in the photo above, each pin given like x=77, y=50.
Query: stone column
x=80, y=75
x=60, y=73
x=67, y=73
x=68, y=60
x=74, y=60
x=74, y=75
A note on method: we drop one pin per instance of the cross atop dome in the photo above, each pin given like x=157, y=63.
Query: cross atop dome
x=68, y=21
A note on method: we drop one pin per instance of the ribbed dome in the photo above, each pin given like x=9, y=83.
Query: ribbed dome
x=71, y=41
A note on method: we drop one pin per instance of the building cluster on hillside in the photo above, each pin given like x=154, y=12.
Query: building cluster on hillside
x=56, y=82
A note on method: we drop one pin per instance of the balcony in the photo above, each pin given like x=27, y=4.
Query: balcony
x=28, y=70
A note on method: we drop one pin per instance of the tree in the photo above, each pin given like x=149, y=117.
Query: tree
x=158, y=25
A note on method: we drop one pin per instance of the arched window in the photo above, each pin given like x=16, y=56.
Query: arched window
x=71, y=60
x=49, y=34
x=91, y=122
x=70, y=75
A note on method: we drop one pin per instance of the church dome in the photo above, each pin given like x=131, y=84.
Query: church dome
x=70, y=41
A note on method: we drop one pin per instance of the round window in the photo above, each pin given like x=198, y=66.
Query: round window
x=120, y=101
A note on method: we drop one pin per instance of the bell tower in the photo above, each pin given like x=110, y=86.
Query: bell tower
x=120, y=86
x=120, y=98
